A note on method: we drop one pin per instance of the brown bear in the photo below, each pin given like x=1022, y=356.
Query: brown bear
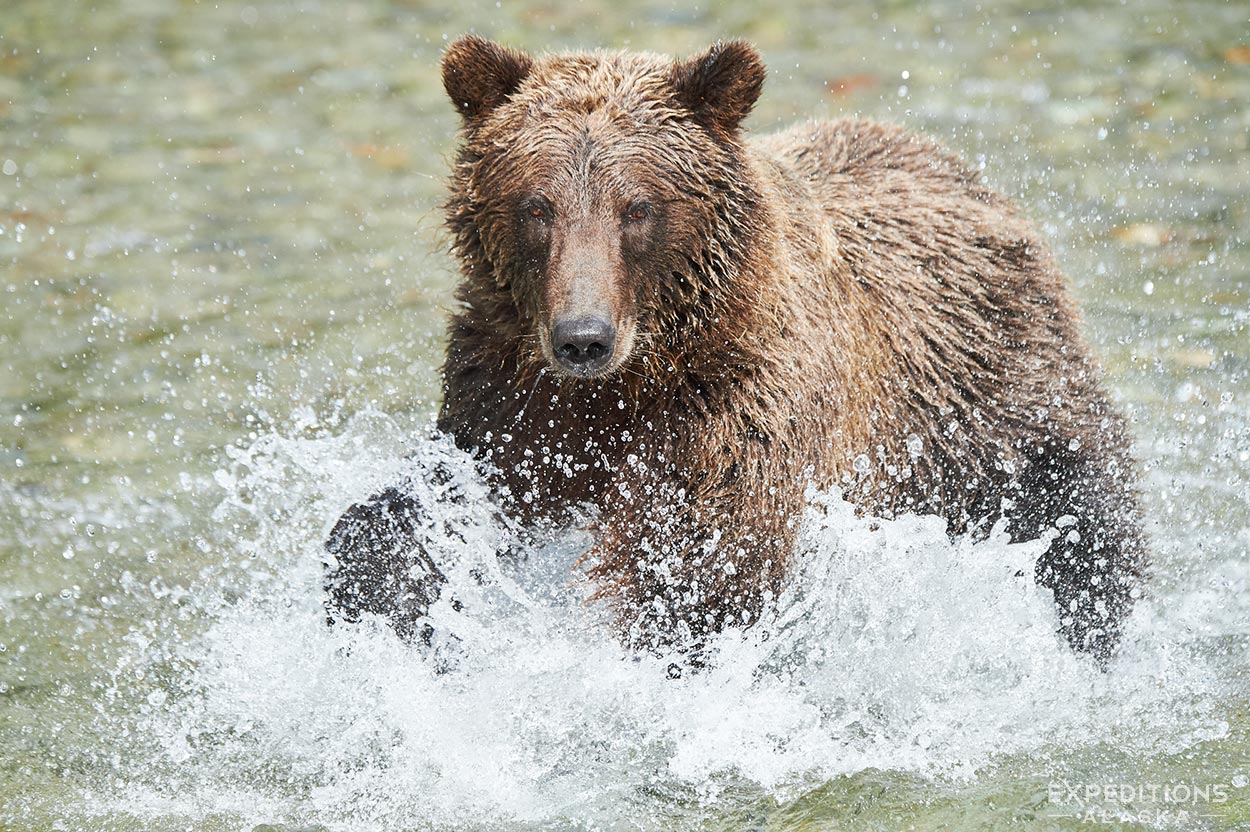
x=684, y=328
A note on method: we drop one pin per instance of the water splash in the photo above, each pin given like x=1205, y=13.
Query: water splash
x=893, y=648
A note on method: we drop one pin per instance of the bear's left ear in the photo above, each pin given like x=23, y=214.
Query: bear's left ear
x=479, y=75
x=721, y=86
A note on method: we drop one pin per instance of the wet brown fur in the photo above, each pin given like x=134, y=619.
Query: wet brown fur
x=838, y=304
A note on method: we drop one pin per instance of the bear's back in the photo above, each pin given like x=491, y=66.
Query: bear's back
x=950, y=293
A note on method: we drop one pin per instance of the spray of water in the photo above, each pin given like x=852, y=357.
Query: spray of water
x=893, y=648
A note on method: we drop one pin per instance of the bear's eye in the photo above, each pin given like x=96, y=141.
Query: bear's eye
x=537, y=208
x=637, y=212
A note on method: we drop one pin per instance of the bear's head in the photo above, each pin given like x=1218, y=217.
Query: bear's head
x=603, y=199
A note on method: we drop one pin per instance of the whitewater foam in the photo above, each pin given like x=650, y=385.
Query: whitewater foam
x=893, y=648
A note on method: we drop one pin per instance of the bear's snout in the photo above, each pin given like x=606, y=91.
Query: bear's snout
x=583, y=346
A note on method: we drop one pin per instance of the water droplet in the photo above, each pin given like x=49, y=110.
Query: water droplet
x=914, y=444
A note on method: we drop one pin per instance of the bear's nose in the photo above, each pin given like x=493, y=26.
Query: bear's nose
x=583, y=345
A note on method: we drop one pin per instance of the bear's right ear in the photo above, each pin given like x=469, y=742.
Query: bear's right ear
x=720, y=86
x=479, y=75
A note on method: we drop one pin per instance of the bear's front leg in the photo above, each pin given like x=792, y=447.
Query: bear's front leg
x=378, y=565
x=1095, y=563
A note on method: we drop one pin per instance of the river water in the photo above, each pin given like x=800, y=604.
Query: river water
x=222, y=292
